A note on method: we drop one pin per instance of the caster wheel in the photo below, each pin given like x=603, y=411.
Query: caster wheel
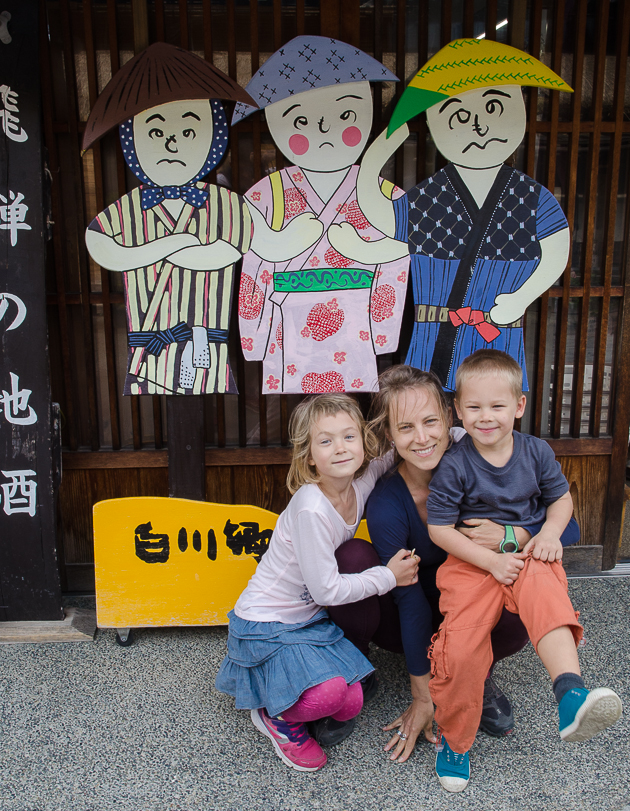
x=125, y=640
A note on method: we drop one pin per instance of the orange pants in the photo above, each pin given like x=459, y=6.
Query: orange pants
x=472, y=601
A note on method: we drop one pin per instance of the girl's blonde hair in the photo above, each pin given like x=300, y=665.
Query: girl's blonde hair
x=392, y=383
x=303, y=419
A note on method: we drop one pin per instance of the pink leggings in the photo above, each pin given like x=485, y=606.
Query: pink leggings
x=333, y=697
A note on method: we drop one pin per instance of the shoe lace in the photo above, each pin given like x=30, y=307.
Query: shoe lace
x=296, y=733
x=458, y=759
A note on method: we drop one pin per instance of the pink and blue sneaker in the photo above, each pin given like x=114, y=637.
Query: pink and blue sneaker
x=584, y=713
x=292, y=742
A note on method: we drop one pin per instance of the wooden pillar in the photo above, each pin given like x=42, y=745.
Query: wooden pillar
x=29, y=576
x=140, y=25
x=620, y=397
x=350, y=22
x=186, y=448
x=340, y=19
x=517, y=23
x=184, y=414
x=329, y=18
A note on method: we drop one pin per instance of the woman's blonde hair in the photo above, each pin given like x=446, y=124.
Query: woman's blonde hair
x=303, y=419
x=392, y=383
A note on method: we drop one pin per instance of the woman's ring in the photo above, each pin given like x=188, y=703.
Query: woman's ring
x=401, y=735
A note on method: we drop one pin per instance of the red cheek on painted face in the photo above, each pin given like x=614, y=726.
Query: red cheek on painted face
x=298, y=144
x=351, y=136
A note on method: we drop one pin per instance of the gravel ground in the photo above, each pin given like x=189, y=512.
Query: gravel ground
x=97, y=727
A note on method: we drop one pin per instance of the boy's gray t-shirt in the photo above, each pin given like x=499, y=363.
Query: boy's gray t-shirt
x=465, y=485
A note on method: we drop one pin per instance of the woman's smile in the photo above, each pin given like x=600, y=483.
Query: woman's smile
x=424, y=451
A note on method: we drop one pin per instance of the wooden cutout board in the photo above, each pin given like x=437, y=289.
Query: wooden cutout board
x=175, y=238
x=315, y=318
x=189, y=588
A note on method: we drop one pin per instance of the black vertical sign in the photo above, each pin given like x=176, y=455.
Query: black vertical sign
x=29, y=575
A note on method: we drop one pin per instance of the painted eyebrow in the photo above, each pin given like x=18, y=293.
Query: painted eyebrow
x=446, y=103
x=290, y=108
x=349, y=96
x=497, y=93
x=191, y=115
x=155, y=115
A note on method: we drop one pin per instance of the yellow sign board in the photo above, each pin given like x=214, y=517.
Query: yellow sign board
x=173, y=562
x=170, y=561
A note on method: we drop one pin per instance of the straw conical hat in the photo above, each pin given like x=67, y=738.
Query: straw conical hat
x=466, y=64
x=159, y=74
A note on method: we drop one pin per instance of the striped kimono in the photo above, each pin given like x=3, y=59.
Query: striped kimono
x=178, y=319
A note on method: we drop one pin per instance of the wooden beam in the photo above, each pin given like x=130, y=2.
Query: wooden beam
x=581, y=447
x=79, y=625
x=220, y=457
x=214, y=457
x=582, y=559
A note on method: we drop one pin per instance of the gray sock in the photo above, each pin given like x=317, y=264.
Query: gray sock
x=565, y=682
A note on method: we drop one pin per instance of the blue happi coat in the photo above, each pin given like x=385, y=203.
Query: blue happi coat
x=463, y=256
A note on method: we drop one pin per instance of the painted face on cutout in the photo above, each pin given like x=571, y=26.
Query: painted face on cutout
x=323, y=130
x=173, y=140
x=480, y=128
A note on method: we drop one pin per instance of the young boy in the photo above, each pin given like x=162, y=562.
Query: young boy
x=513, y=479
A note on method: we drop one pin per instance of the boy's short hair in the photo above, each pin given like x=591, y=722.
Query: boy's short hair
x=307, y=413
x=490, y=361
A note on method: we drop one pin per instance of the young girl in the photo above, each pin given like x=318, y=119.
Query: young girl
x=287, y=661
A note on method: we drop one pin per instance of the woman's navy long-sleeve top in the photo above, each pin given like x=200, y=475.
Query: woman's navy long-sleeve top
x=394, y=523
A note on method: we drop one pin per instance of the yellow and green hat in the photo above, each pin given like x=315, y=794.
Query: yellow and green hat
x=466, y=64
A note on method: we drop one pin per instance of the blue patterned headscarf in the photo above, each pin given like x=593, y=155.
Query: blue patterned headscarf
x=305, y=63
x=189, y=192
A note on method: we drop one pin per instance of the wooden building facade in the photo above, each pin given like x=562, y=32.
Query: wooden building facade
x=577, y=334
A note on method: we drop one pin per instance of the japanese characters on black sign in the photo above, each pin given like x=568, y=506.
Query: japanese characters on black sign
x=29, y=581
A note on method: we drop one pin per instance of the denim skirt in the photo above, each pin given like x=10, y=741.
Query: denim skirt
x=270, y=664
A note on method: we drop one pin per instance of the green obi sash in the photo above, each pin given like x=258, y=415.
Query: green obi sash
x=321, y=281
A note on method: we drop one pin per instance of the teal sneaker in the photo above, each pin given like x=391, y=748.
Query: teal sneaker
x=583, y=714
x=452, y=769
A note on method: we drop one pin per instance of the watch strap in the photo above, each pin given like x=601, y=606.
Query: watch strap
x=509, y=542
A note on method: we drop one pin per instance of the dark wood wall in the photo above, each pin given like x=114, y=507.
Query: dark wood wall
x=577, y=145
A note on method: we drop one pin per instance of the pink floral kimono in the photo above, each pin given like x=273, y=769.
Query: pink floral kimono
x=319, y=320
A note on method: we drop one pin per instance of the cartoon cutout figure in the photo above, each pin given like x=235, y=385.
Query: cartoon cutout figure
x=175, y=238
x=485, y=240
x=318, y=320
